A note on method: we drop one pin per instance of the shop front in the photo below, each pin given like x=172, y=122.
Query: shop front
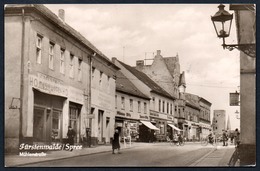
x=47, y=118
x=147, y=131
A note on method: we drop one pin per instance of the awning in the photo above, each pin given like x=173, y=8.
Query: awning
x=149, y=125
x=174, y=127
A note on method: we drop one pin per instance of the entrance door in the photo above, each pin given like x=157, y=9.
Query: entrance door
x=38, y=125
x=74, y=121
x=100, y=125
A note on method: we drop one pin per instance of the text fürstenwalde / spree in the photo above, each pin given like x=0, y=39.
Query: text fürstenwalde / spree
x=37, y=149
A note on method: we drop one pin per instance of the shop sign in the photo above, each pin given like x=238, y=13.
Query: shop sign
x=234, y=99
x=76, y=95
x=154, y=114
x=169, y=117
x=144, y=117
x=48, y=84
x=119, y=124
x=128, y=115
x=120, y=113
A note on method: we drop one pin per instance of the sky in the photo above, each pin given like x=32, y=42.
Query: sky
x=133, y=32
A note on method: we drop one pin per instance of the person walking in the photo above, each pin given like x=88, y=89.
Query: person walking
x=224, y=138
x=236, y=137
x=71, y=134
x=115, y=143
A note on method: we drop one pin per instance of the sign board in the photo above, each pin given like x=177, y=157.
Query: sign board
x=234, y=99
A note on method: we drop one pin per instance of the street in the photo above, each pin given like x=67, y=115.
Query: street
x=159, y=154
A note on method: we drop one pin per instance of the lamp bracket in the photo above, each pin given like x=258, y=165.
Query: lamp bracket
x=248, y=49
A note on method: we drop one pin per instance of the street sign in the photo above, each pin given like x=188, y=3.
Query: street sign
x=234, y=99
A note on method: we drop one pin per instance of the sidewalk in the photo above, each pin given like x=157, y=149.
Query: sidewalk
x=218, y=156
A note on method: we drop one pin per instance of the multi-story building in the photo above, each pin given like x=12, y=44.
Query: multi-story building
x=192, y=112
x=49, y=87
x=165, y=71
x=103, y=91
x=219, y=121
x=161, y=103
x=204, y=117
x=132, y=106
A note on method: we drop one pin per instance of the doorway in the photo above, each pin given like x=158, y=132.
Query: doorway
x=74, y=116
x=100, y=125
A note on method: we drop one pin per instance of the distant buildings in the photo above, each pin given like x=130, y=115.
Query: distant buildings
x=219, y=121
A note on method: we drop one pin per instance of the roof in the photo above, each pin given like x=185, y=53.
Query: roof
x=192, y=100
x=147, y=81
x=57, y=21
x=126, y=86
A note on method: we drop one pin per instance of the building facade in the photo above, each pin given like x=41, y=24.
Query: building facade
x=219, y=121
x=165, y=71
x=161, y=103
x=204, y=117
x=103, y=90
x=49, y=87
x=132, y=106
x=245, y=15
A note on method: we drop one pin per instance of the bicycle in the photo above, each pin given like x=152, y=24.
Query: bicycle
x=206, y=141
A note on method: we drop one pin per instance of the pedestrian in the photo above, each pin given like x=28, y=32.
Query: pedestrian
x=224, y=138
x=71, y=134
x=115, y=143
x=236, y=137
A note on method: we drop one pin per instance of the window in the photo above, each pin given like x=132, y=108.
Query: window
x=80, y=69
x=115, y=101
x=51, y=55
x=139, y=106
x=131, y=104
x=163, y=106
x=62, y=64
x=171, y=109
x=145, y=107
x=93, y=71
x=39, y=49
x=100, y=78
x=71, y=66
x=108, y=83
x=167, y=107
x=122, y=103
x=159, y=105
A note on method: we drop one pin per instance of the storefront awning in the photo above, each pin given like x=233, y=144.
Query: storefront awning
x=174, y=127
x=149, y=125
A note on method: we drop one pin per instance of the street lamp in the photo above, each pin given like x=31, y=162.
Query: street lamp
x=237, y=114
x=222, y=21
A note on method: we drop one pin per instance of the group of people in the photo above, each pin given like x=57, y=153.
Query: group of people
x=233, y=137
x=176, y=138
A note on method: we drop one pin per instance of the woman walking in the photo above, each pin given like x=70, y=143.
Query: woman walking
x=115, y=143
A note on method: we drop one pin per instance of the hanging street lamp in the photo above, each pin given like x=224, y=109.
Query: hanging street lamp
x=222, y=22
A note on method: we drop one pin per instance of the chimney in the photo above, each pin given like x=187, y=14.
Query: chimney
x=158, y=52
x=62, y=14
x=139, y=64
x=113, y=60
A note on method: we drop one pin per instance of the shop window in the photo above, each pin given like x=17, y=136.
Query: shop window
x=79, y=69
x=39, y=49
x=62, y=63
x=51, y=55
x=71, y=66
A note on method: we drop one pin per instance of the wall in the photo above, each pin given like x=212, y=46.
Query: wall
x=13, y=38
